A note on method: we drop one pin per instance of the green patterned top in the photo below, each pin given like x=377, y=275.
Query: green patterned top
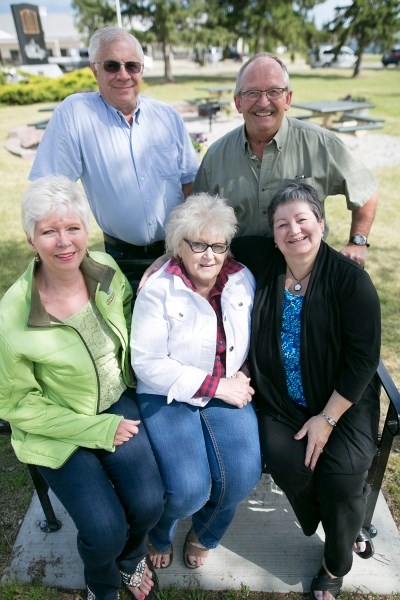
x=104, y=346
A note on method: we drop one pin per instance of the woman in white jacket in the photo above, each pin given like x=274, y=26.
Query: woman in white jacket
x=190, y=339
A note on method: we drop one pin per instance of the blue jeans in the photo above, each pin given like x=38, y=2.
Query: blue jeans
x=114, y=498
x=209, y=459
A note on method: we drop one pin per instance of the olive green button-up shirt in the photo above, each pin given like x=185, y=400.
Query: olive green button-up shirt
x=300, y=151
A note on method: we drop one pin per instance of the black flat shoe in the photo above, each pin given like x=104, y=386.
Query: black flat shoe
x=364, y=536
x=323, y=583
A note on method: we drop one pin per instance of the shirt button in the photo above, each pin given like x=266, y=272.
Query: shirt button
x=240, y=303
x=231, y=348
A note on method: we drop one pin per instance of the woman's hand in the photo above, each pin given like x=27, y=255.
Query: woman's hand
x=125, y=430
x=235, y=390
x=241, y=375
x=318, y=431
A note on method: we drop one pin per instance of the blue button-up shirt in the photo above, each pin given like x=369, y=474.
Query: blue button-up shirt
x=132, y=174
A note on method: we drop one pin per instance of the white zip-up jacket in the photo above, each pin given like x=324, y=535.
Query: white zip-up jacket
x=174, y=334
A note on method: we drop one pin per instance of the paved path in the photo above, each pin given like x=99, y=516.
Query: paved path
x=264, y=549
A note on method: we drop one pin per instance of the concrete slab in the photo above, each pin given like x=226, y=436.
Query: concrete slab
x=264, y=549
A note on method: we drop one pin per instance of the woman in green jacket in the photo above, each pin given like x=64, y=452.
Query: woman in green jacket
x=67, y=390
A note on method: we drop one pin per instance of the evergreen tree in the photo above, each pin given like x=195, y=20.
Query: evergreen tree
x=366, y=21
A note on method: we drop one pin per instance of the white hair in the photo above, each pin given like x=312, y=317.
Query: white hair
x=52, y=194
x=107, y=35
x=199, y=213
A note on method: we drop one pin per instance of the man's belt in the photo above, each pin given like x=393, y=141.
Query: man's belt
x=151, y=250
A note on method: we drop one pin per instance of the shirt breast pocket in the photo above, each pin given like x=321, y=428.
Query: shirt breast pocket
x=181, y=319
x=165, y=161
x=242, y=306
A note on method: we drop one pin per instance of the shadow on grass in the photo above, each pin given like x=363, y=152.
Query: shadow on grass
x=14, y=259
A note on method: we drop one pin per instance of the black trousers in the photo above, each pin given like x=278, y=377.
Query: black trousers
x=336, y=497
x=132, y=260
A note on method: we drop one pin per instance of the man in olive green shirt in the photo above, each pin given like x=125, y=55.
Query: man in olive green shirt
x=248, y=165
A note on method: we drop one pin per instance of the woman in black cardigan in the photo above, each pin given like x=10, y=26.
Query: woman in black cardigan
x=315, y=350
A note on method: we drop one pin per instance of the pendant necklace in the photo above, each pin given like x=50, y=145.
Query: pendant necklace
x=297, y=286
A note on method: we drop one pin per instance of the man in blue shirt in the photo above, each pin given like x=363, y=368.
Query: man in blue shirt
x=132, y=153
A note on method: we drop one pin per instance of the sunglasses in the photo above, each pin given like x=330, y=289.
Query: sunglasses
x=113, y=66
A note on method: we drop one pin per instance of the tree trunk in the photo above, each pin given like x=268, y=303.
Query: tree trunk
x=357, y=66
x=167, y=63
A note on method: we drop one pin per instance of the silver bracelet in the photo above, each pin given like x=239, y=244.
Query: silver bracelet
x=329, y=419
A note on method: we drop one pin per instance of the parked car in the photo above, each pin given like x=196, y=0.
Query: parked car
x=392, y=58
x=325, y=57
x=234, y=54
x=78, y=58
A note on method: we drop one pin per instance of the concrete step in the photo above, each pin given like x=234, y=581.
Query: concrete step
x=264, y=549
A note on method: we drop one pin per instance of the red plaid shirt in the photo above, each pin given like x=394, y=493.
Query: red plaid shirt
x=230, y=266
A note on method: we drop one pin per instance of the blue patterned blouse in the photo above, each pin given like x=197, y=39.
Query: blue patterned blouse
x=290, y=339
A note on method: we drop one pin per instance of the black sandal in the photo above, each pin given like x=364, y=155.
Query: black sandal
x=135, y=579
x=323, y=583
x=364, y=536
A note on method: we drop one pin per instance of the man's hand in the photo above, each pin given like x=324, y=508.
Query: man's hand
x=361, y=222
x=357, y=253
x=157, y=264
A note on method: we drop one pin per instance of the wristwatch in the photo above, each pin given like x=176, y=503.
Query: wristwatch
x=359, y=240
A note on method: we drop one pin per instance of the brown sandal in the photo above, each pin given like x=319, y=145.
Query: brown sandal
x=153, y=551
x=194, y=550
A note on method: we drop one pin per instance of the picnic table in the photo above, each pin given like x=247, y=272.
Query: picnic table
x=340, y=115
x=217, y=91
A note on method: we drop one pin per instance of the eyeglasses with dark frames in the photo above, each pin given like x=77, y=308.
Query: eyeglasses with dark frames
x=113, y=66
x=199, y=247
x=272, y=94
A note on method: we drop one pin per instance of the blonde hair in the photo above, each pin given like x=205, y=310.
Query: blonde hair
x=53, y=193
x=200, y=212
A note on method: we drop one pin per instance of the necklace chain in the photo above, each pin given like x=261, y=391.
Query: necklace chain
x=298, y=287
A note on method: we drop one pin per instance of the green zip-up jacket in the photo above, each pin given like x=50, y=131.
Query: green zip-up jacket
x=49, y=387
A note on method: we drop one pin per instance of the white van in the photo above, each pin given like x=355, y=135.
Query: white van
x=324, y=57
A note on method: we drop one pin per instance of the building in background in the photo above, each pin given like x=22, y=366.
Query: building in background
x=60, y=34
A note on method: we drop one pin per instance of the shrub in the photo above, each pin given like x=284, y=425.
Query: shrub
x=36, y=88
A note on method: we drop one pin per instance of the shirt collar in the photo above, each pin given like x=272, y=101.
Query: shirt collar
x=119, y=114
x=279, y=138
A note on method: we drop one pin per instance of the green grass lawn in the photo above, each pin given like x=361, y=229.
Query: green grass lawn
x=382, y=88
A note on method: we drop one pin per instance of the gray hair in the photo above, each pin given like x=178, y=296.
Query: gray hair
x=296, y=192
x=52, y=194
x=199, y=212
x=107, y=35
x=260, y=56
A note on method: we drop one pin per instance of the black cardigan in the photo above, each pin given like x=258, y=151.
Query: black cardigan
x=340, y=337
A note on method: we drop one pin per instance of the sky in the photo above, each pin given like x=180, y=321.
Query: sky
x=322, y=13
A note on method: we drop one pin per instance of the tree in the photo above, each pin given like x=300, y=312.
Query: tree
x=172, y=22
x=92, y=15
x=267, y=23
x=365, y=21
x=263, y=24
